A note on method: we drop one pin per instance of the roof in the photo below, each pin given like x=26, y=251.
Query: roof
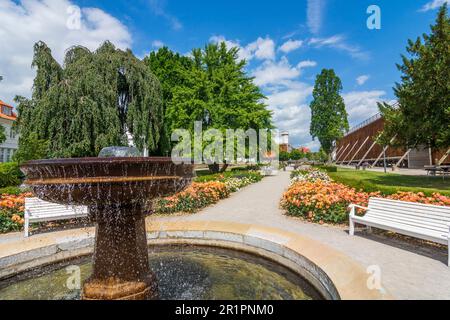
x=13, y=117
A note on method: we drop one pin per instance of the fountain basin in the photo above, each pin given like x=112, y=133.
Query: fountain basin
x=182, y=272
x=333, y=274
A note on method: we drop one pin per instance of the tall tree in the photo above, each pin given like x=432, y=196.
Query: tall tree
x=422, y=116
x=90, y=103
x=212, y=88
x=328, y=116
x=170, y=68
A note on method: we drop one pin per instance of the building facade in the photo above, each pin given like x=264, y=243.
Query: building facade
x=359, y=147
x=284, y=143
x=10, y=145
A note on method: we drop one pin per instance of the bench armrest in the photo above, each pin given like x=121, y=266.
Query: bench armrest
x=351, y=206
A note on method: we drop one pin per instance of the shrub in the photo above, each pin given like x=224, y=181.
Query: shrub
x=309, y=175
x=206, y=190
x=322, y=201
x=253, y=175
x=10, y=174
x=12, y=190
x=196, y=196
x=251, y=167
x=12, y=212
x=327, y=168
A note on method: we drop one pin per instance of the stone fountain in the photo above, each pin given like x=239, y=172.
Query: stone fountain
x=118, y=192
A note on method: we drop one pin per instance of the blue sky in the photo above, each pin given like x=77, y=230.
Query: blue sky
x=286, y=42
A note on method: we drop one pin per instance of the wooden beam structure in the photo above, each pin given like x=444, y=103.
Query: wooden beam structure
x=367, y=153
x=359, y=149
x=337, y=158
x=402, y=158
x=441, y=161
x=353, y=147
x=382, y=152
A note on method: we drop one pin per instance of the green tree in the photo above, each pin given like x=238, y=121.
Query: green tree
x=30, y=148
x=171, y=70
x=90, y=103
x=284, y=156
x=422, y=116
x=296, y=154
x=215, y=90
x=328, y=116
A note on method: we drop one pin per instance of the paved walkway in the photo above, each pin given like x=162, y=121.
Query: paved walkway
x=408, y=271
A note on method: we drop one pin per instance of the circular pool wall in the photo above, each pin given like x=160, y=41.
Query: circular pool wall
x=182, y=272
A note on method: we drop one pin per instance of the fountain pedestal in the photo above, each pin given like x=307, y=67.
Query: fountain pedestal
x=120, y=262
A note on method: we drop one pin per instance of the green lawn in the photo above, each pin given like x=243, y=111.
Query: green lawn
x=389, y=183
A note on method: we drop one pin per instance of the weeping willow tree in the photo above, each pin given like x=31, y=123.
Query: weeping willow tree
x=90, y=102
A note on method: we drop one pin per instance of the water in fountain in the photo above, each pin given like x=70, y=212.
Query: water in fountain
x=182, y=272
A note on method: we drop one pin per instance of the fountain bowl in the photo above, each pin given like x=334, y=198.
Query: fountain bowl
x=106, y=181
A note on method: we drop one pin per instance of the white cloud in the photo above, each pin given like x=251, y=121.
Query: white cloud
x=276, y=73
x=291, y=45
x=314, y=13
x=158, y=9
x=291, y=112
x=262, y=48
x=306, y=64
x=432, y=5
x=157, y=44
x=26, y=22
x=361, y=105
x=339, y=42
x=362, y=79
x=243, y=52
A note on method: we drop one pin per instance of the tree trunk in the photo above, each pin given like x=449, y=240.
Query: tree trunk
x=215, y=168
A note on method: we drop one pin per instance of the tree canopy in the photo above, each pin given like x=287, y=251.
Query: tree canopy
x=422, y=116
x=328, y=115
x=212, y=87
x=90, y=102
x=170, y=68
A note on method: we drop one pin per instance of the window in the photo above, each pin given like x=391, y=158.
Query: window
x=7, y=111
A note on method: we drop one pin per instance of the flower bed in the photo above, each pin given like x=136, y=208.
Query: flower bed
x=323, y=201
x=196, y=196
x=205, y=191
x=12, y=212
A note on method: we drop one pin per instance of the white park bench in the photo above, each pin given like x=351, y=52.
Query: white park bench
x=427, y=222
x=37, y=210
